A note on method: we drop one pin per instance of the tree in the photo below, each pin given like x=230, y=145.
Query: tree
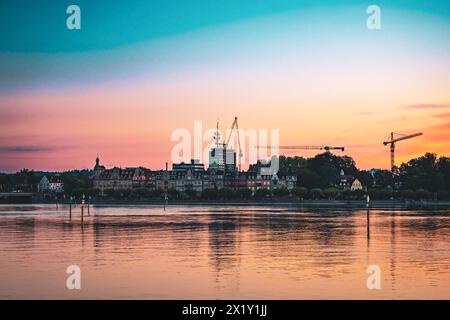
x=191, y=193
x=307, y=178
x=210, y=194
x=444, y=169
x=407, y=194
x=173, y=193
x=380, y=194
x=422, y=194
x=262, y=194
x=227, y=193
x=366, y=178
x=422, y=173
x=92, y=192
x=382, y=179
x=244, y=193
x=141, y=193
x=157, y=193
x=316, y=193
x=330, y=193
x=300, y=192
x=281, y=192
x=328, y=167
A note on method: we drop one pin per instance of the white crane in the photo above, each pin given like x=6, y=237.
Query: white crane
x=235, y=126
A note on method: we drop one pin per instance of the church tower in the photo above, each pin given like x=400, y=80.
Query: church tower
x=98, y=169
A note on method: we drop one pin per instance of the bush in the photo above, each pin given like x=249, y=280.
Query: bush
x=281, y=192
x=301, y=192
x=173, y=194
x=422, y=194
x=443, y=195
x=407, y=194
x=244, y=194
x=331, y=193
x=158, y=193
x=262, y=193
x=125, y=193
x=380, y=194
x=227, y=193
x=141, y=193
x=210, y=194
x=316, y=193
x=191, y=194
x=347, y=194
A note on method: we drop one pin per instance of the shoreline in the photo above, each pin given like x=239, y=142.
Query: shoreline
x=295, y=203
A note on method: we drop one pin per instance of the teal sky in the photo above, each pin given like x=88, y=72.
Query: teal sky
x=143, y=68
x=39, y=26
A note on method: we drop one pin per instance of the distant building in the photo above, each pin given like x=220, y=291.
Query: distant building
x=256, y=181
x=345, y=180
x=222, y=158
x=43, y=185
x=51, y=184
x=194, y=166
x=98, y=169
x=349, y=182
x=286, y=181
x=213, y=179
x=188, y=180
x=356, y=185
x=119, y=179
x=165, y=180
x=188, y=176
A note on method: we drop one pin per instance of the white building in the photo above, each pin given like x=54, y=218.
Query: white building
x=222, y=158
x=53, y=184
x=356, y=185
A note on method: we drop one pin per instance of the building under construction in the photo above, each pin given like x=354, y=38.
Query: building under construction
x=222, y=157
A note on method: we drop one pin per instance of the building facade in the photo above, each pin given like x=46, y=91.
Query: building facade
x=51, y=184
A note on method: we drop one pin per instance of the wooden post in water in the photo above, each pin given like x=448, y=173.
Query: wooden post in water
x=368, y=216
x=82, y=213
x=70, y=208
x=89, y=205
x=165, y=200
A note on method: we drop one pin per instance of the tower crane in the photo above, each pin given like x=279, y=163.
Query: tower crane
x=235, y=126
x=392, y=142
x=326, y=148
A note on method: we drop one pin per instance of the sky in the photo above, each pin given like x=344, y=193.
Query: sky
x=137, y=71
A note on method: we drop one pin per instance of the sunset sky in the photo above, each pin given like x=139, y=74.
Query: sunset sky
x=138, y=70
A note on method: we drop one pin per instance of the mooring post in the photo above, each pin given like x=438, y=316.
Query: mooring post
x=368, y=215
x=70, y=208
x=89, y=205
x=82, y=213
x=165, y=200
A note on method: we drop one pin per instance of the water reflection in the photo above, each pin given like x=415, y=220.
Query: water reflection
x=231, y=252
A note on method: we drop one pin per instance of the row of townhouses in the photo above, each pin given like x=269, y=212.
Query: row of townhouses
x=187, y=176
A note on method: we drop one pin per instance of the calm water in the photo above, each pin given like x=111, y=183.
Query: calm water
x=235, y=252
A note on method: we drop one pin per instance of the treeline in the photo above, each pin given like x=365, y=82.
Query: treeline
x=425, y=177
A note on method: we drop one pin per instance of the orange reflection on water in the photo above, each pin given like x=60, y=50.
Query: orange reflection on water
x=234, y=252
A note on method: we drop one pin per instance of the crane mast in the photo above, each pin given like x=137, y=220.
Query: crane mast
x=392, y=142
x=235, y=126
